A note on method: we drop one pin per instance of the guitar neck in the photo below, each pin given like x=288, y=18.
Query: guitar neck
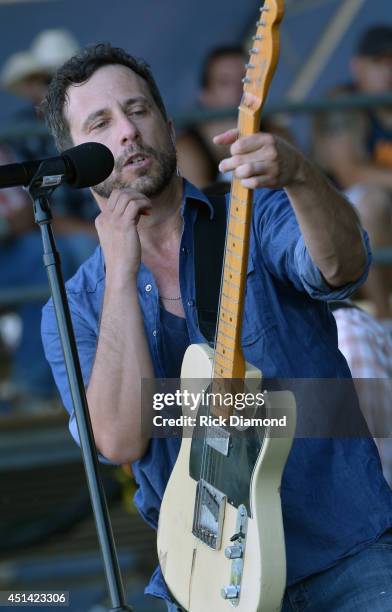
x=229, y=361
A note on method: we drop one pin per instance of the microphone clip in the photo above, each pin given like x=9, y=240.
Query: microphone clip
x=40, y=188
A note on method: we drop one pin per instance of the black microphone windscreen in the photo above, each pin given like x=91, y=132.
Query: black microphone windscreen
x=91, y=162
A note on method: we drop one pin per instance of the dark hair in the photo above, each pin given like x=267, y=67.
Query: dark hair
x=215, y=54
x=375, y=42
x=79, y=69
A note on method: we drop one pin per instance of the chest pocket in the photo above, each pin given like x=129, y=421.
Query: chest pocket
x=257, y=311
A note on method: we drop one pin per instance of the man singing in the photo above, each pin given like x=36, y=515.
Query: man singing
x=134, y=314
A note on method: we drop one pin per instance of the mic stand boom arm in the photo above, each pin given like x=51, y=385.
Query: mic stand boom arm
x=40, y=188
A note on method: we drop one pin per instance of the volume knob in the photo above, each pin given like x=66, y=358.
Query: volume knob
x=231, y=591
x=234, y=552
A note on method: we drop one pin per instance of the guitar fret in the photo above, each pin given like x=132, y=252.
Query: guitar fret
x=238, y=219
x=217, y=360
x=224, y=373
x=232, y=253
x=234, y=197
x=227, y=297
x=220, y=332
x=224, y=366
x=227, y=310
x=240, y=202
x=229, y=324
x=236, y=237
x=231, y=284
x=231, y=281
x=228, y=267
x=225, y=347
x=221, y=355
x=229, y=273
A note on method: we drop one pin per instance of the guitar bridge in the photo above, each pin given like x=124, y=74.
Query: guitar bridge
x=209, y=514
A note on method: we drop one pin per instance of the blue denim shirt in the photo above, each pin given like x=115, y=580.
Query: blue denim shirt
x=334, y=498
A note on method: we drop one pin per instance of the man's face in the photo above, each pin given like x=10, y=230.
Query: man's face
x=373, y=75
x=115, y=107
x=224, y=87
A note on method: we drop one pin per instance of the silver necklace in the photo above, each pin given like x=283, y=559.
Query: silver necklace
x=170, y=298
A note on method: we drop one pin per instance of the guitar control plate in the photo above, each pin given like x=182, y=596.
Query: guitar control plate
x=236, y=552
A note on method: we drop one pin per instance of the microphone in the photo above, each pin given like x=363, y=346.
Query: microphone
x=86, y=165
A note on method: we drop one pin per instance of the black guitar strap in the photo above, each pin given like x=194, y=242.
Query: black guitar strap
x=209, y=244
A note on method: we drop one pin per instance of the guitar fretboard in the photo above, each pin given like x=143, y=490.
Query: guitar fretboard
x=229, y=361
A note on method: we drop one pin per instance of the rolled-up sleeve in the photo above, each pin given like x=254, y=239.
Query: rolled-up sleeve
x=314, y=282
x=284, y=252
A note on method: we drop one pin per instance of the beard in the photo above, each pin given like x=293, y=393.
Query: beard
x=151, y=184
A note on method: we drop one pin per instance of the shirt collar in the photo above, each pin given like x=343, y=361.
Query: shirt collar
x=192, y=193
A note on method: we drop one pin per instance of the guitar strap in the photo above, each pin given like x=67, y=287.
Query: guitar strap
x=209, y=245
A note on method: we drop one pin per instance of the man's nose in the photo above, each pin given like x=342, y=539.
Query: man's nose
x=128, y=130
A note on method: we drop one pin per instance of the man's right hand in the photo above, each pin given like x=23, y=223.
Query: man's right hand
x=117, y=230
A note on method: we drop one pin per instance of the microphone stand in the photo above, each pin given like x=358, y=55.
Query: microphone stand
x=40, y=188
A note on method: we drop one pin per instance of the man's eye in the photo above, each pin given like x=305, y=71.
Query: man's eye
x=99, y=125
x=138, y=111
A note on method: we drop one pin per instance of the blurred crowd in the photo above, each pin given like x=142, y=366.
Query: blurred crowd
x=353, y=147
x=27, y=74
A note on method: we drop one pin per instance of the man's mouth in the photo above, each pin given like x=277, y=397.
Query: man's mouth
x=136, y=160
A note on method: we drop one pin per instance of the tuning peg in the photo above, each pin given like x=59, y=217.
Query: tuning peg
x=264, y=9
x=253, y=51
x=251, y=66
x=258, y=37
x=261, y=23
x=246, y=80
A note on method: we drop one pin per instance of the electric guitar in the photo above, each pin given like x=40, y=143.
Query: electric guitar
x=220, y=533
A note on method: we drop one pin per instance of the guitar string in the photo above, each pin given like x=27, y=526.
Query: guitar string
x=207, y=466
x=211, y=463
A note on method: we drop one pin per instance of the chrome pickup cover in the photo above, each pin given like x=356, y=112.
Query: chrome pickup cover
x=219, y=439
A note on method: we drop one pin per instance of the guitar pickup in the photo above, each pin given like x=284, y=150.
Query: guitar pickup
x=218, y=438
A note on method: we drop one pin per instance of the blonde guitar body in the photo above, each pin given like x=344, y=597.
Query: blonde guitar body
x=195, y=572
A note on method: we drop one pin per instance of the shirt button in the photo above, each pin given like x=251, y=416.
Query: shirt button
x=191, y=302
x=184, y=250
x=148, y=287
x=155, y=332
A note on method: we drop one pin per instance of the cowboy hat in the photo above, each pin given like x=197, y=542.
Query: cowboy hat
x=48, y=51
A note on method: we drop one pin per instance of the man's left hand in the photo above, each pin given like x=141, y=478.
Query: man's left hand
x=261, y=160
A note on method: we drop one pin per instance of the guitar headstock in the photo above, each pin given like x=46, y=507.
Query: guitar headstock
x=263, y=55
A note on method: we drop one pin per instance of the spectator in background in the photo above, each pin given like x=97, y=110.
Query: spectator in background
x=28, y=74
x=368, y=351
x=355, y=148
x=220, y=88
